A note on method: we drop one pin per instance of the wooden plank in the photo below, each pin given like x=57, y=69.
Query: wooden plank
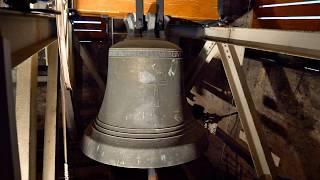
x=264, y=2
x=9, y=155
x=26, y=93
x=90, y=18
x=193, y=10
x=101, y=26
x=290, y=24
x=302, y=25
x=49, y=150
x=91, y=35
x=299, y=10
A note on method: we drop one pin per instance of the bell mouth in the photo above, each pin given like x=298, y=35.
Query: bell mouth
x=133, y=152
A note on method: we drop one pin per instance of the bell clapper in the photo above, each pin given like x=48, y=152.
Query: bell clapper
x=210, y=121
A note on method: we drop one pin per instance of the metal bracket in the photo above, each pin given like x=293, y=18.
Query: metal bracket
x=160, y=15
x=139, y=23
x=151, y=25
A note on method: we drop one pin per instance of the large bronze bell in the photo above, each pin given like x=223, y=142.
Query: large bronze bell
x=144, y=121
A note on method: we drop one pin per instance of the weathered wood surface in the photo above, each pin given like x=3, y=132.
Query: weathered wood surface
x=287, y=12
x=187, y=9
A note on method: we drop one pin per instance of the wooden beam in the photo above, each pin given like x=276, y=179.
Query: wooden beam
x=71, y=125
x=80, y=26
x=249, y=119
x=9, y=155
x=240, y=52
x=25, y=29
x=303, y=44
x=298, y=10
x=25, y=53
x=49, y=150
x=264, y=2
x=299, y=25
x=26, y=93
x=195, y=10
x=88, y=62
x=285, y=9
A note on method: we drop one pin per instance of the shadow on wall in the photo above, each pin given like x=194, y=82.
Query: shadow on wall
x=297, y=113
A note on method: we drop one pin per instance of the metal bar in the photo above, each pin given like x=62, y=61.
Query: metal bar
x=49, y=149
x=258, y=148
x=298, y=43
x=160, y=14
x=24, y=30
x=112, y=31
x=139, y=14
x=26, y=90
x=9, y=155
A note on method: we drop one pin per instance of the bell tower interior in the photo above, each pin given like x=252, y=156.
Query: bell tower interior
x=159, y=89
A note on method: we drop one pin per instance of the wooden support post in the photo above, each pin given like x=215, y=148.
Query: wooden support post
x=240, y=53
x=26, y=91
x=207, y=53
x=258, y=148
x=9, y=155
x=49, y=150
x=87, y=61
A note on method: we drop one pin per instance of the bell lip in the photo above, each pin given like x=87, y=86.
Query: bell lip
x=153, y=158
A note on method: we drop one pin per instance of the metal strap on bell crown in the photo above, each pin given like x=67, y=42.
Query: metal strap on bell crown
x=150, y=25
